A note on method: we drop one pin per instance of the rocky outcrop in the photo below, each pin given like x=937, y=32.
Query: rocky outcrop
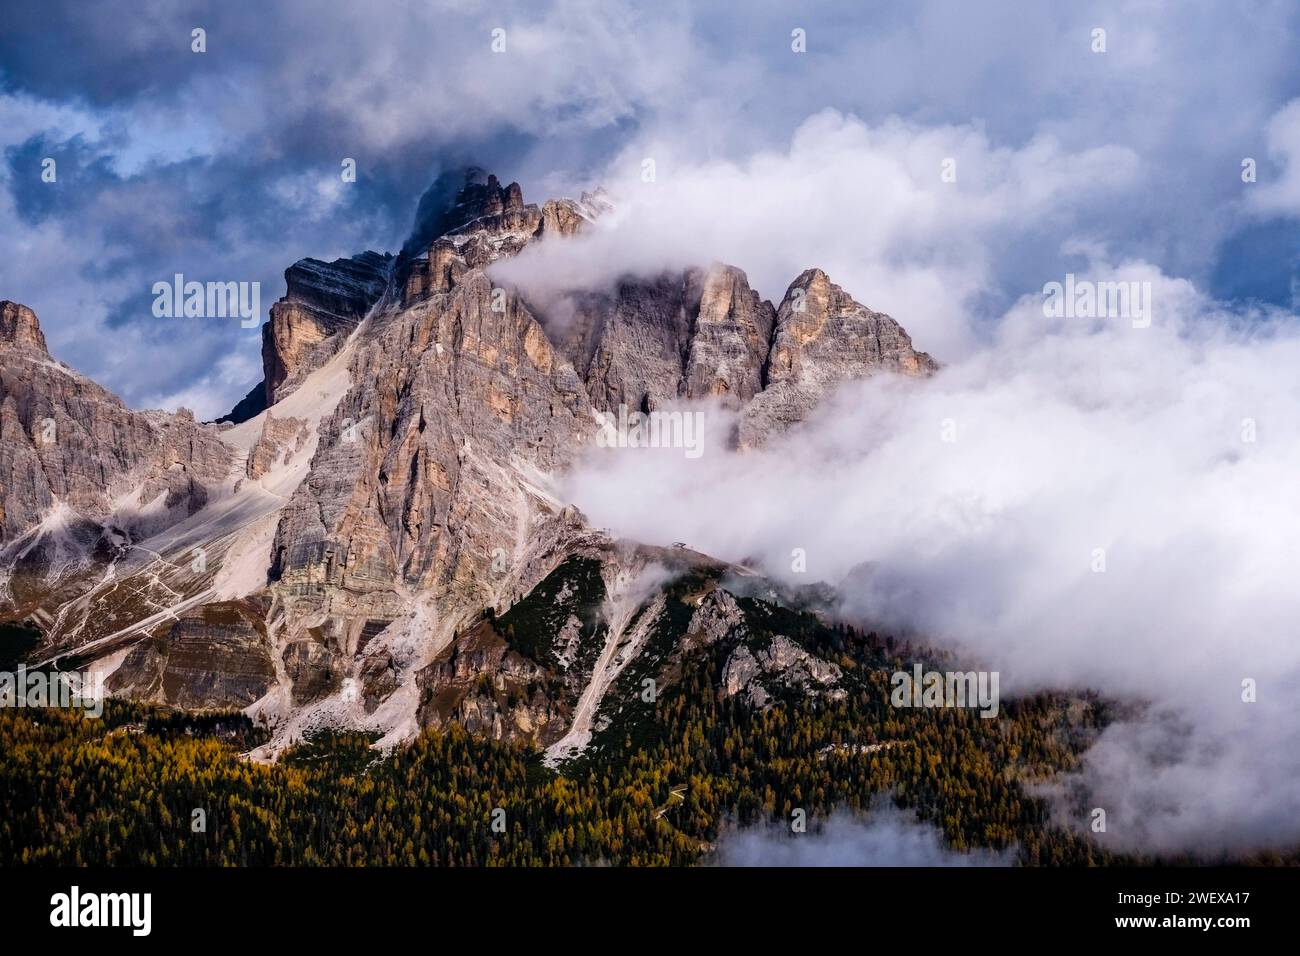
x=19, y=328
x=213, y=657
x=781, y=665
x=706, y=334
x=280, y=439
x=564, y=217
x=823, y=337
x=488, y=222
x=730, y=336
x=490, y=690
x=628, y=346
x=323, y=303
x=413, y=475
x=498, y=207
x=717, y=616
x=700, y=334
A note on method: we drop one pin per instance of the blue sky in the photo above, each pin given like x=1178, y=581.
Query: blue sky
x=224, y=164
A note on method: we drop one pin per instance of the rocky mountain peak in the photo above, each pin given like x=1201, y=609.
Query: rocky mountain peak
x=19, y=327
x=823, y=337
x=732, y=333
x=477, y=199
x=821, y=330
x=706, y=333
x=81, y=473
x=395, y=482
x=487, y=222
x=465, y=221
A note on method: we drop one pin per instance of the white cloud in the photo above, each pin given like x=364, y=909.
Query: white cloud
x=1280, y=196
x=887, y=837
x=868, y=205
x=1137, y=148
x=1072, y=435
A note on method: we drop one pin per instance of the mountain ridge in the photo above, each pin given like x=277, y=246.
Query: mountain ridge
x=324, y=560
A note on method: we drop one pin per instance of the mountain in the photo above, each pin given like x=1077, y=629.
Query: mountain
x=83, y=476
x=372, y=539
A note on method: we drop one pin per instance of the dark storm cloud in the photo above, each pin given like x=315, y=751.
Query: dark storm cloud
x=101, y=53
x=225, y=165
x=79, y=164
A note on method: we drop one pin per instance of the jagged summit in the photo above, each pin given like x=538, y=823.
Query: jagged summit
x=458, y=199
x=19, y=327
x=477, y=224
x=823, y=337
x=434, y=212
x=81, y=473
x=399, y=483
x=705, y=333
x=477, y=199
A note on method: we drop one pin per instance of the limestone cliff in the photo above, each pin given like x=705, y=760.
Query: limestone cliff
x=382, y=545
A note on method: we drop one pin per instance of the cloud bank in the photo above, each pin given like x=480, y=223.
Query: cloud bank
x=1082, y=504
x=868, y=205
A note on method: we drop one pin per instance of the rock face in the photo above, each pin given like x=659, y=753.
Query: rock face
x=717, y=616
x=707, y=334
x=491, y=689
x=280, y=439
x=381, y=545
x=488, y=222
x=823, y=337
x=82, y=474
x=19, y=328
x=701, y=334
x=730, y=337
x=629, y=347
x=422, y=480
x=417, y=475
x=215, y=656
x=323, y=303
x=780, y=665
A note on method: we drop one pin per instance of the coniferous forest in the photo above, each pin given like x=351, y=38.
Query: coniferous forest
x=124, y=789
x=662, y=782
